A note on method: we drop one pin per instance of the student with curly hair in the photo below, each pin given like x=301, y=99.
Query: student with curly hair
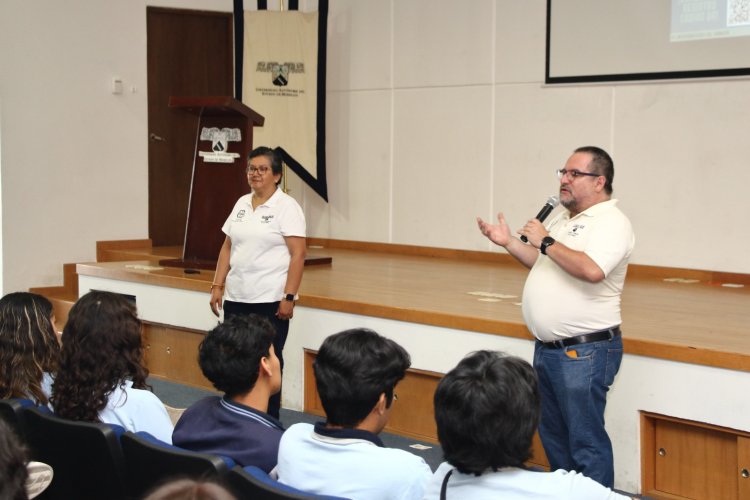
x=29, y=347
x=102, y=377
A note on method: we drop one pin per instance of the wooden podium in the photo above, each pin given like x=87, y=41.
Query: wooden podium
x=224, y=138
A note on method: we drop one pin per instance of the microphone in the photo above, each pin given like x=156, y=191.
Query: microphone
x=547, y=209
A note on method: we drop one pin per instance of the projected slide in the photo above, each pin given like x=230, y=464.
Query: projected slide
x=630, y=40
x=705, y=19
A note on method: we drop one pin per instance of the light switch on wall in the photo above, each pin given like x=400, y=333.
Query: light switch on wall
x=116, y=85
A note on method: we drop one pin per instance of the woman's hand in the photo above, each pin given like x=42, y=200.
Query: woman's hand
x=217, y=294
x=286, y=310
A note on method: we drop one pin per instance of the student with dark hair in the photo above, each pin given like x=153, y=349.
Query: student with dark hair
x=356, y=372
x=102, y=377
x=238, y=358
x=487, y=411
x=29, y=347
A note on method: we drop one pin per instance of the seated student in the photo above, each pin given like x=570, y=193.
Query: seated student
x=238, y=358
x=29, y=347
x=487, y=410
x=101, y=376
x=356, y=372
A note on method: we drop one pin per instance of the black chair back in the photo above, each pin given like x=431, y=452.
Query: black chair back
x=150, y=462
x=11, y=410
x=85, y=457
x=252, y=482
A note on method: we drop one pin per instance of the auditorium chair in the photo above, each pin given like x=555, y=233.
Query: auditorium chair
x=151, y=462
x=252, y=482
x=86, y=457
x=11, y=410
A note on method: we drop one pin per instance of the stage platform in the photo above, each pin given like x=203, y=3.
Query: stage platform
x=682, y=315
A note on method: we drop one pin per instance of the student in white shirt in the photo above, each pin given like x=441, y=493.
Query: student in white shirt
x=487, y=410
x=356, y=372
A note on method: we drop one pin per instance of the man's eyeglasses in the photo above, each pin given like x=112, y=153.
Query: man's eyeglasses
x=260, y=170
x=572, y=174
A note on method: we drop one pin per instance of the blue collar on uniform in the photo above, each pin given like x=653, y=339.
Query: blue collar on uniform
x=320, y=428
x=249, y=412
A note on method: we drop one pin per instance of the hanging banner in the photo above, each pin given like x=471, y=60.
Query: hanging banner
x=282, y=81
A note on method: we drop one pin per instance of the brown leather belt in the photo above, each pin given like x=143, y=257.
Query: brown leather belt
x=586, y=338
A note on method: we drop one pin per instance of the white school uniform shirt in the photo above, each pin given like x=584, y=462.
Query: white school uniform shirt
x=138, y=410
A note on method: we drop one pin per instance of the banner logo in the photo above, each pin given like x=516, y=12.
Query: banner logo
x=280, y=71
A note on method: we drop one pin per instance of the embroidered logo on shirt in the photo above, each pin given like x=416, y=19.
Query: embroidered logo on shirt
x=266, y=219
x=576, y=229
x=241, y=213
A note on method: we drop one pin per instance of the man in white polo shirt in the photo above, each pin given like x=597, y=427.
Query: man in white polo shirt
x=571, y=304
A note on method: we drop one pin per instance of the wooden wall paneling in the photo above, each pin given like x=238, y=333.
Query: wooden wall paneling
x=688, y=459
x=172, y=353
x=696, y=462
x=743, y=468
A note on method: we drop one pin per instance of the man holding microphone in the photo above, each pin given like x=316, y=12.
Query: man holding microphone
x=571, y=304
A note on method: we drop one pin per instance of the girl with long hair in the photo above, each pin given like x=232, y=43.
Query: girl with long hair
x=29, y=347
x=102, y=377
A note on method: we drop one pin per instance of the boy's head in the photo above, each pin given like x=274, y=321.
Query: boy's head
x=487, y=410
x=353, y=369
x=230, y=356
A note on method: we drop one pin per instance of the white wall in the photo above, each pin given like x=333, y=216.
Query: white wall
x=436, y=113
x=74, y=156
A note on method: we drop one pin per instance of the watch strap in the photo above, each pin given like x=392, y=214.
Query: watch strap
x=547, y=241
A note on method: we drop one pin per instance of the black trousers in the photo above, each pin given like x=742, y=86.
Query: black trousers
x=268, y=310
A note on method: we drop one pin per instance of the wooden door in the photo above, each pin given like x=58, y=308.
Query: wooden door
x=743, y=468
x=189, y=54
x=694, y=462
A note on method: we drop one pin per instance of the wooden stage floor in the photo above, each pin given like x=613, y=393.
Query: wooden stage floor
x=694, y=319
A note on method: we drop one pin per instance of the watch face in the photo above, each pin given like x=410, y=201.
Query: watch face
x=546, y=241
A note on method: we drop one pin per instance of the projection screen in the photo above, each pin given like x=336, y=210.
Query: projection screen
x=621, y=40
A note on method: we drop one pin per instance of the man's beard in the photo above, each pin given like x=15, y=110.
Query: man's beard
x=569, y=203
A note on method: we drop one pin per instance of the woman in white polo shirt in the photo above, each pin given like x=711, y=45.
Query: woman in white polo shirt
x=261, y=261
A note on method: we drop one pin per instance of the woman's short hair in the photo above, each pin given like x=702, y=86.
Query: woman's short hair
x=487, y=410
x=273, y=156
x=352, y=369
x=101, y=350
x=29, y=346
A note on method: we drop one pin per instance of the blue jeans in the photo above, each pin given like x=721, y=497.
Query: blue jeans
x=573, y=391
